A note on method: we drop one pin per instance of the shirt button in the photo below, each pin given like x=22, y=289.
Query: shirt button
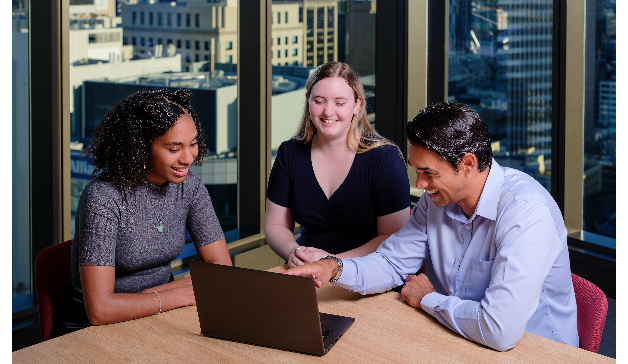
x=460, y=259
x=467, y=227
x=451, y=290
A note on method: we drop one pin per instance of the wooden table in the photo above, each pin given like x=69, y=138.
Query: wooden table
x=386, y=329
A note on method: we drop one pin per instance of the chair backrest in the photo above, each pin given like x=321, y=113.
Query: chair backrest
x=592, y=308
x=52, y=282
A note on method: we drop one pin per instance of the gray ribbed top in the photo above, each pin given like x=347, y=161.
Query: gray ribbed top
x=112, y=229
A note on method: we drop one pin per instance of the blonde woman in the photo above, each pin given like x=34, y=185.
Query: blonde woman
x=345, y=184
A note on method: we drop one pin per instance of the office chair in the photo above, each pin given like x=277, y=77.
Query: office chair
x=592, y=309
x=52, y=282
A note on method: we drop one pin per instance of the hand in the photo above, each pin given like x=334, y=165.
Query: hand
x=415, y=289
x=315, y=254
x=320, y=271
x=298, y=257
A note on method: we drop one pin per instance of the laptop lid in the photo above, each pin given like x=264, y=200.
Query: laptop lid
x=262, y=308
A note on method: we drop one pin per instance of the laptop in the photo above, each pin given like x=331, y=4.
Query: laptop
x=263, y=308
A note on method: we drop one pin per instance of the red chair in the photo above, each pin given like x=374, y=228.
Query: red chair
x=592, y=308
x=52, y=282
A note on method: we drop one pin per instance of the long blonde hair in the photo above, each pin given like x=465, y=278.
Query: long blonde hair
x=361, y=136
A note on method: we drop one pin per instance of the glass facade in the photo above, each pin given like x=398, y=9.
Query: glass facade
x=500, y=63
x=20, y=186
x=100, y=78
x=599, y=200
x=336, y=23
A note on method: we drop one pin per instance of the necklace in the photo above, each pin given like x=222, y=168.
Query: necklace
x=160, y=224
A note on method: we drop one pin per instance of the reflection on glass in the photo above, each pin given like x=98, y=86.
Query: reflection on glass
x=500, y=63
x=114, y=52
x=599, y=205
x=306, y=34
x=20, y=154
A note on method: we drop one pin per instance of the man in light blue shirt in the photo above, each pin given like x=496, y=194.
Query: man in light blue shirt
x=496, y=238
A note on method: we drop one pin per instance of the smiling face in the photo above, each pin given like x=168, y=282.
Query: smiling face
x=172, y=154
x=332, y=105
x=443, y=184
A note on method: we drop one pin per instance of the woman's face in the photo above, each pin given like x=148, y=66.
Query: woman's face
x=332, y=106
x=173, y=153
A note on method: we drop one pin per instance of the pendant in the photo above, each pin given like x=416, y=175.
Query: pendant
x=160, y=228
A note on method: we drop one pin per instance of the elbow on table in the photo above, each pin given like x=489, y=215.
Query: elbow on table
x=503, y=340
x=97, y=315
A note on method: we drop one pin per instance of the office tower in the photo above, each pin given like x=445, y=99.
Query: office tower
x=320, y=19
x=199, y=30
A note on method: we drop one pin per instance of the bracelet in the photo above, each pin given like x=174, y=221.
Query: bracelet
x=159, y=298
x=339, y=272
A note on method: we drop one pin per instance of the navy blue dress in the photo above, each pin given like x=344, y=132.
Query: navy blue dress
x=377, y=185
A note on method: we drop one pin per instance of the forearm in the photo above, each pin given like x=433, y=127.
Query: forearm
x=280, y=239
x=181, y=282
x=365, y=249
x=118, y=307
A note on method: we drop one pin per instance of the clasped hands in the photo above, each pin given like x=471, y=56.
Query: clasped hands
x=303, y=255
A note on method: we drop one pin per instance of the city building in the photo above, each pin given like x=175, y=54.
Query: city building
x=199, y=30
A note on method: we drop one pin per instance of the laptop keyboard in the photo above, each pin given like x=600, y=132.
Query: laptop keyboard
x=326, y=332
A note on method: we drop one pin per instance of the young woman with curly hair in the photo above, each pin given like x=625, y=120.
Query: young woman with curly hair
x=343, y=182
x=131, y=218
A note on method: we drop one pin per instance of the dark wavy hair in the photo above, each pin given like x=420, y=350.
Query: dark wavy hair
x=122, y=142
x=451, y=129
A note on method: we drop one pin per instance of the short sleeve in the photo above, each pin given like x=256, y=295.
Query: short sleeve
x=279, y=186
x=99, y=221
x=389, y=183
x=202, y=222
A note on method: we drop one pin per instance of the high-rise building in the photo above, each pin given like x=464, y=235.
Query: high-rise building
x=199, y=30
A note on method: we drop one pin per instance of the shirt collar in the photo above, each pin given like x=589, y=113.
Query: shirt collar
x=487, y=206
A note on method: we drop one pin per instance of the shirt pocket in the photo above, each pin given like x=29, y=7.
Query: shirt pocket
x=477, y=279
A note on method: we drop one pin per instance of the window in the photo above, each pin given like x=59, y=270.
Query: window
x=507, y=93
x=197, y=20
x=188, y=44
x=295, y=51
x=197, y=45
x=20, y=158
x=160, y=18
x=295, y=39
x=229, y=59
x=228, y=46
x=159, y=41
x=134, y=17
x=142, y=18
x=187, y=20
x=285, y=53
x=178, y=19
x=197, y=57
x=188, y=58
x=150, y=18
x=169, y=19
x=278, y=54
x=206, y=45
x=278, y=18
x=133, y=41
x=278, y=41
x=142, y=42
x=285, y=19
x=599, y=169
x=179, y=43
x=169, y=41
x=207, y=57
x=150, y=42
x=285, y=40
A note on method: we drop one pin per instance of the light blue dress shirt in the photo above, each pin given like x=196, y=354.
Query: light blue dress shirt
x=505, y=270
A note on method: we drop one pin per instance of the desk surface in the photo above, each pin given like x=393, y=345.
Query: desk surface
x=386, y=329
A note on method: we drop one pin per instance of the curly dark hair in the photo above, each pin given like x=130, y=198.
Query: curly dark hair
x=122, y=142
x=451, y=129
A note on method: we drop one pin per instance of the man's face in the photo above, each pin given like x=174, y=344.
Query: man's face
x=443, y=184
